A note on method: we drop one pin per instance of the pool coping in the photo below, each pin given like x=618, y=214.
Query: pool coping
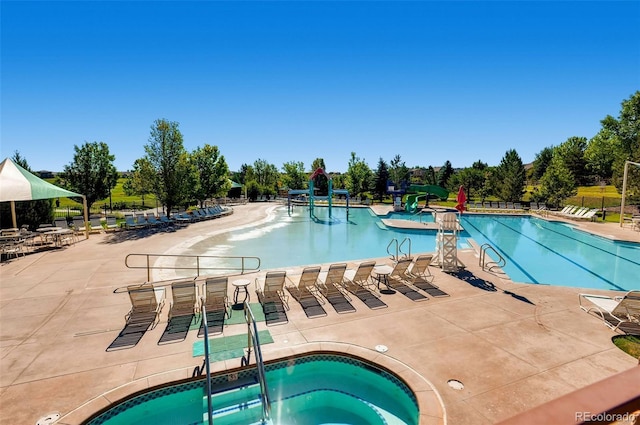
x=430, y=404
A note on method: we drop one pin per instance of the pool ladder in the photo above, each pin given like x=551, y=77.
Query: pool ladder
x=395, y=248
x=253, y=342
x=490, y=265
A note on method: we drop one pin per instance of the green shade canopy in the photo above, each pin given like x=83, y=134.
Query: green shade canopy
x=17, y=184
x=234, y=184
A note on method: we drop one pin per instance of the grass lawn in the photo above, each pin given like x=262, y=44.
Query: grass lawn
x=629, y=344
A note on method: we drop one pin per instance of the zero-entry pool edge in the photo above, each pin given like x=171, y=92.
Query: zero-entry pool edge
x=429, y=402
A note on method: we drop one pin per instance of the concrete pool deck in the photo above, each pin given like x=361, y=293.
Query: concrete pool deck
x=513, y=346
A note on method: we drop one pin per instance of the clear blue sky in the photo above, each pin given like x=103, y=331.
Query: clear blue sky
x=293, y=81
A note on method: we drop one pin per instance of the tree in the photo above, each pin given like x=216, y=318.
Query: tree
x=170, y=171
x=398, y=171
x=266, y=175
x=445, y=174
x=471, y=178
x=91, y=173
x=138, y=182
x=294, y=177
x=358, y=176
x=541, y=162
x=320, y=182
x=627, y=132
x=212, y=173
x=511, y=177
x=571, y=152
x=31, y=213
x=381, y=179
x=430, y=177
x=557, y=183
x=600, y=154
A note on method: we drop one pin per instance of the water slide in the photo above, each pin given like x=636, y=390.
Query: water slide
x=411, y=203
x=424, y=191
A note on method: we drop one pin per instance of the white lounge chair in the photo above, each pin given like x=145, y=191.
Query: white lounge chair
x=618, y=313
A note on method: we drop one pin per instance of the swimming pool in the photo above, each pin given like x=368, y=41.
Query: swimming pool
x=536, y=250
x=558, y=253
x=322, y=388
x=293, y=240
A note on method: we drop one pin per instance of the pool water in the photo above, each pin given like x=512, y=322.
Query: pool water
x=553, y=252
x=536, y=250
x=316, y=389
x=296, y=239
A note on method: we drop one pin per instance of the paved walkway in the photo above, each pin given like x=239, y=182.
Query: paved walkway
x=513, y=346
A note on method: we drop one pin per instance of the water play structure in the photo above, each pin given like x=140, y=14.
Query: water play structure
x=423, y=192
x=312, y=197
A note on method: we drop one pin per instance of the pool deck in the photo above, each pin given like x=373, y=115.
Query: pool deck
x=513, y=346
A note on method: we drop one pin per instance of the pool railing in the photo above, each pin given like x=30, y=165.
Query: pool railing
x=243, y=264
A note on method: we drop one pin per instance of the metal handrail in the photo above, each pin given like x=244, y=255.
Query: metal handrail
x=394, y=257
x=243, y=268
x=253, y=340
x=491, y=264
x=207, y=364
x=406, y=254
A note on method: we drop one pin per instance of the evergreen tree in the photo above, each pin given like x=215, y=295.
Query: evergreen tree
x=381, y=179
x=445, y=174
x=511, y=177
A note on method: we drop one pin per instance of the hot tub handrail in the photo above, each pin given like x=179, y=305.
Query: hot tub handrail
x=253, y=341
x=243, y=268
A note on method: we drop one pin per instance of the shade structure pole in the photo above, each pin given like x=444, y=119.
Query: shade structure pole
x=624, y=187
x=86, y=217
x=13, y=214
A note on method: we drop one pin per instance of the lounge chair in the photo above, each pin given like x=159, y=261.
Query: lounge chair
x=146, y=305
x=589, y=215
x=61, y=223
x=273, y=299
x=618, y=313
x=307, y=286
x=307, y=293
x=359, y=282
x=273, y=289
x=131, y=223
x=95, y=224
x=153, y=221
x=398, y=280
x=79, y=225
x=333, y=289
x=216, y=297
x=184, y=299
x=420, y=276
x=165, y=220
x=112, y=223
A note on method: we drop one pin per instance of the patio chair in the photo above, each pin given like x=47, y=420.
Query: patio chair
x=618, y=313
x=184, y=299
x=61, y=222
x=112, y=223
x=273, y=289
x=420, y=276
x=146, y=304
x=307, y=286
x=359, y=282
x=131, y=223
x=79, y=225
x=333, y=289
x=216, y=295
x=153, y=221
x=398, y=280
x=95, y=224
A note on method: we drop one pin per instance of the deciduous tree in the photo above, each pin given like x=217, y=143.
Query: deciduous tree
x=212, y=173
x=91, y=173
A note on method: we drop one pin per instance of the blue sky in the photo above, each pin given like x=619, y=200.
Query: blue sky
x=293, y=81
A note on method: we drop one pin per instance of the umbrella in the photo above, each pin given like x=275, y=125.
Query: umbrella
x=461, y=200
x=17, y=184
